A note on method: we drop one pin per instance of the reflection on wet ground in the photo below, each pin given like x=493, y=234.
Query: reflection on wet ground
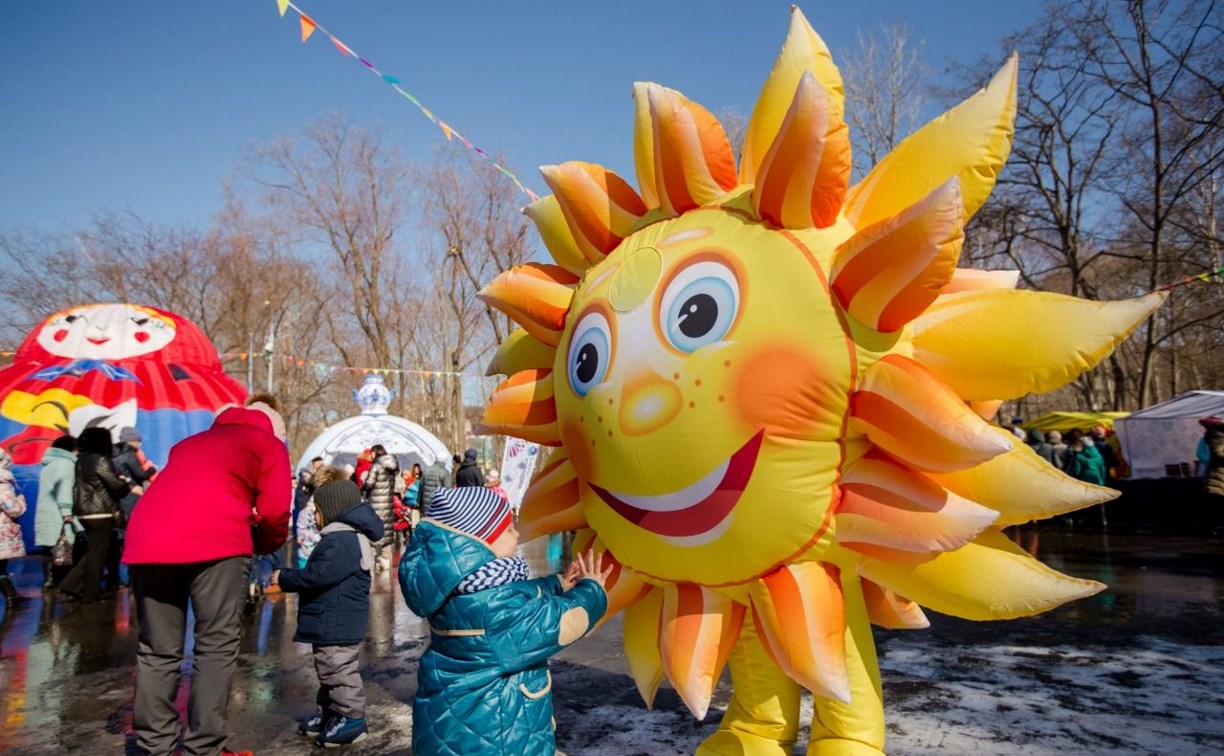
x=66, y=670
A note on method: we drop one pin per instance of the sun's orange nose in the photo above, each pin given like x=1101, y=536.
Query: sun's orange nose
x=648, y=402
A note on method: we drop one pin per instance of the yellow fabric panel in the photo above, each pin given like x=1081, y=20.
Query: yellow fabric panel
x=520, y=351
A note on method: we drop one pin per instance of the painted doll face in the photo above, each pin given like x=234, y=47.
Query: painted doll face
x=105, y=332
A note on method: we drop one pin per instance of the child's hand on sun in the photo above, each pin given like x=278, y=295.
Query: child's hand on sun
x=590, y=566
x=569, y=578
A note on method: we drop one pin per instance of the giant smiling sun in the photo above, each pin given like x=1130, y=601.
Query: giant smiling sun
x=768, y=390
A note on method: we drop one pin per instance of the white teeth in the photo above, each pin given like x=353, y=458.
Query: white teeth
x=677, y=500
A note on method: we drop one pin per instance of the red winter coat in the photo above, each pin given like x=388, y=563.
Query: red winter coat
x=214, y=487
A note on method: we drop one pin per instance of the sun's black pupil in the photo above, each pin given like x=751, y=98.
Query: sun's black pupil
x=588, y=363
x=697, y=315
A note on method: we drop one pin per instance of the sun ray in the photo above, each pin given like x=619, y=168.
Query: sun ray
x=970, y=279
x=1023, y=487
x=550, y=221
x=521, y=351
x=643, y=145
x=551, y=503
x=642, y=628
x=887, y=609
x=1037, y=341
x=800, y=614
x=986, y=409
x=523, y=406
x=599, y=206
x=536, y=296
x=693, y=162
x=803, y=52
x=887, y=274
x=909, y=413
x=805, y=174
x=886, y=504
x=971, y=141
x=988, y=579
x=698, y=629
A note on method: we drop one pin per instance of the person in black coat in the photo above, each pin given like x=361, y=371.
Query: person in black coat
x=469, y=473
x=96, y=494
x=334, y=607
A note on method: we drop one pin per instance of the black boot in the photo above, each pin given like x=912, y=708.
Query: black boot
x=11, y=595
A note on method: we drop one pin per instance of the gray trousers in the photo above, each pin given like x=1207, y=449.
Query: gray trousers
x=216, y=591
x=341, y=690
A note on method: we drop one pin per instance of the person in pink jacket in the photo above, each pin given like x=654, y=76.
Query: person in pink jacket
x=223, y=495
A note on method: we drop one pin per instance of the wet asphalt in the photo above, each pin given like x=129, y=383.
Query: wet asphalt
x=67, y=670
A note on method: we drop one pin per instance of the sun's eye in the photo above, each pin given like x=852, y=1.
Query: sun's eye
x=589, y=353
x=699, y=305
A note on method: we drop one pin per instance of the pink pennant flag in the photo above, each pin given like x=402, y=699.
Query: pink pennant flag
x=341, y=46
x=308, y=27
x=283, y=5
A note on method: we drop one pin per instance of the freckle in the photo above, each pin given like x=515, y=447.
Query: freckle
x=592, y=442
x=675, y=376
x=582, y=419
x=697, y=382
x=722, y=398
x=726, y=363
x=692, y=405
x=609, y=402
x=600, y=419
x=609, y=434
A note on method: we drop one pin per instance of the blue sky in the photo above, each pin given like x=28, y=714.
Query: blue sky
x=145, y=105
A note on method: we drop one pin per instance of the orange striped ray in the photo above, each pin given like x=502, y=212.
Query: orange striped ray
x=546, y=214
x=990, y=578
x=803, y=52
x=1061, y=338
x=986, y=409
x=641, y=630
x=905, y=410
x=535, y=296
x=886, y=504
x=1023, y=487
x=624, y=587
x=523, y=406
x=800, y=615
x=551, y=503
x=643, y=144
x=971, y=279
x=971, y=141
x=599, y=206
x=804, y=176
x=520, y=351
x=887, y=609
x=693, y=162
x=699, y=628
x=887, y=274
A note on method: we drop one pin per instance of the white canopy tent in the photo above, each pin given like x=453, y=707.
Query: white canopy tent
x=409, y=442
x=1160, y=441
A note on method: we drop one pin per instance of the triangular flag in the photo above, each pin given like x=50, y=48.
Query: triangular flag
x=429, y=114
x=308, y=27
x=341, y=47
x=445, y=129
x=283, y=5
x=390, y=79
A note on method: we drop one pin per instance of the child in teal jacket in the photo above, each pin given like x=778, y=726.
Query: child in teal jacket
x=483, y=685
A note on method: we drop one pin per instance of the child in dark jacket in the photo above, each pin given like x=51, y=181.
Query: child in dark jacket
x=483, y=685
x=334, y=607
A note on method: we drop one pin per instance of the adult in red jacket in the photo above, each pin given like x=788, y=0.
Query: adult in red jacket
x=223, y=494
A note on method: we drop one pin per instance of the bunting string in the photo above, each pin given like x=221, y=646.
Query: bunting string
x=1200, y=278
x=328, y=368
x=308, y=27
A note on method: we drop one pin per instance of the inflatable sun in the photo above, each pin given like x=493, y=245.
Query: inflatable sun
x=769, y=391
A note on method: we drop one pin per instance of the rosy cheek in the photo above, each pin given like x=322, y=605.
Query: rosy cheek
x=784, y=392
x=141, y=336
x=61, y=334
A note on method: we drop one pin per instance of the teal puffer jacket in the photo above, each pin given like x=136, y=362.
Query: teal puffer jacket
x=483, y=686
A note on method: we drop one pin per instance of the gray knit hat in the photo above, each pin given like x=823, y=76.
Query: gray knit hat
x=334, y=499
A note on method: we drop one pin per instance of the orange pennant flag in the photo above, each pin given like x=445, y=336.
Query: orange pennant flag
x=445, y=129
x=283, y=5
x=308, y=27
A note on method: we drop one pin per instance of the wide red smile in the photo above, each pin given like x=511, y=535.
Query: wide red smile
x=696, y=509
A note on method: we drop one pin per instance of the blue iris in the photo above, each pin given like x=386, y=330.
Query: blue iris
x=701, y=313
x=588, y=359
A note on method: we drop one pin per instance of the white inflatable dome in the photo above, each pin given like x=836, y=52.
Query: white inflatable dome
x=410, y=443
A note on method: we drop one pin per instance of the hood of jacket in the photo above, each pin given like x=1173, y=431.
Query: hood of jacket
x=52, y=455
x=436, y=561
x=364, y=520
x=243, y=416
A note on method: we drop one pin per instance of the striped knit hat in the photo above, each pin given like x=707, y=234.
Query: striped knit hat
x=472, y=509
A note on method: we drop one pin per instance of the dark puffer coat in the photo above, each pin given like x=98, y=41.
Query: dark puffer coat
x=1215, y=462
x=334, y=606
x=97, y=489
